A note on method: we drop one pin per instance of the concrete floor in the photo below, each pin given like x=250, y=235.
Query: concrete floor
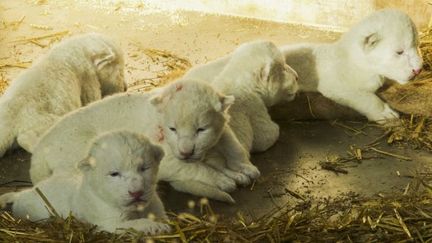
x=291, y=165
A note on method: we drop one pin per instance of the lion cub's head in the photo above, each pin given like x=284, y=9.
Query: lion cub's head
x=106, y=58
x=121, y=168
x=386, y=43
x=193, y=117
x=260, y=66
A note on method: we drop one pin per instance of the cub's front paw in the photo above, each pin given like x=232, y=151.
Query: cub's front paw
x=250, y=170
x=154, y=228
x=239, y=178
x=226, y=184
x=386, y=115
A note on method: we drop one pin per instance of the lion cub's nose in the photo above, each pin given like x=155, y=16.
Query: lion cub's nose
x=136, y=194
x=416, y=71
x=186, y=154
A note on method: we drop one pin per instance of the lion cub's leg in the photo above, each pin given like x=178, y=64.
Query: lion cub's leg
x=202, y=189
x=366, y=103
x=30, y=133
x=265, y=132
x=237, y=158
x=217, y=161
x=175, y=171
x=241, y=125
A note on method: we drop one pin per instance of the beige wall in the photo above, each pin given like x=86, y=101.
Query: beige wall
x=329, y=14
x=419, y=10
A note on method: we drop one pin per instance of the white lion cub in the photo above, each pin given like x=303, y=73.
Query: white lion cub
x=115, y=188
x=349, y=71
x=188, y=117
x=257, y=76
x=74, y=73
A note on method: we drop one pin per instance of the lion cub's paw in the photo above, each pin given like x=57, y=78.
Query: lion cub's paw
x=250, y=170
x=387, y=115
x=226, y=184
x=154, y=228
x=239, y=178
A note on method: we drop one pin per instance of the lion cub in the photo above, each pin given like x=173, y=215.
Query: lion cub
x=257, y=76
x=74, y=73
x=350, y=71
x=115, y=189
x=189, y=118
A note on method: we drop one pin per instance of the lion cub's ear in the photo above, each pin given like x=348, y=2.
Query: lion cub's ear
x=225, y=101
x=370, y=41
x=101, y=60
x=265, y=71
x=86, y=164
x=157, y=101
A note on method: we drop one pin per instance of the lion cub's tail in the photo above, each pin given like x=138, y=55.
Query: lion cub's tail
x=198, y=188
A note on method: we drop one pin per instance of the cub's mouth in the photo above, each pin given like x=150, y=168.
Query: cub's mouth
x=290, y=96
x=136, y=202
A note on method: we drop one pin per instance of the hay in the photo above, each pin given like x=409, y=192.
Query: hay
x=164, y=65
x=412, y=131
x=404, y=217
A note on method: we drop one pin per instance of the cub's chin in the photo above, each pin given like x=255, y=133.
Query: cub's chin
x=404, y=80
x=290, y=97
x=400, y=79
x=136, y=204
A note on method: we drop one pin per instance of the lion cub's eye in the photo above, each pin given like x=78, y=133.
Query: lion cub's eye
x=143, y=168
x=114, y=174
x=400, y=52
x=173, y=129
x=201, y=129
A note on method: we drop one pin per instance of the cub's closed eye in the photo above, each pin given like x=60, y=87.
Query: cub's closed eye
x=143, y=168
x=201, y=129
x=114, y=174
x=173, y=129
x=400, y=52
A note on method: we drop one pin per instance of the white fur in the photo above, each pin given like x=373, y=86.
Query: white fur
x=74, y=73
x=257, y=76
x=351, y=70
x=116, y=164
x=185, y=104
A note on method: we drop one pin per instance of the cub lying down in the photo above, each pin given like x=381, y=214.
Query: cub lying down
x=257, y=76
x=349, y=71
x=115, y=188
x=74, y=73
x=188, y=117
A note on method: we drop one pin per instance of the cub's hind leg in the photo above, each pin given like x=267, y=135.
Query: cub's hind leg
x=30, y=133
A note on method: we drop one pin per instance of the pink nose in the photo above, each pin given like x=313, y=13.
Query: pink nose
x=187, y=154
x=416, y=71
x=136, y=194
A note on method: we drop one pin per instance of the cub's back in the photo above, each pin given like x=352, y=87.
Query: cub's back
x=67, y=141
x=207, y=72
